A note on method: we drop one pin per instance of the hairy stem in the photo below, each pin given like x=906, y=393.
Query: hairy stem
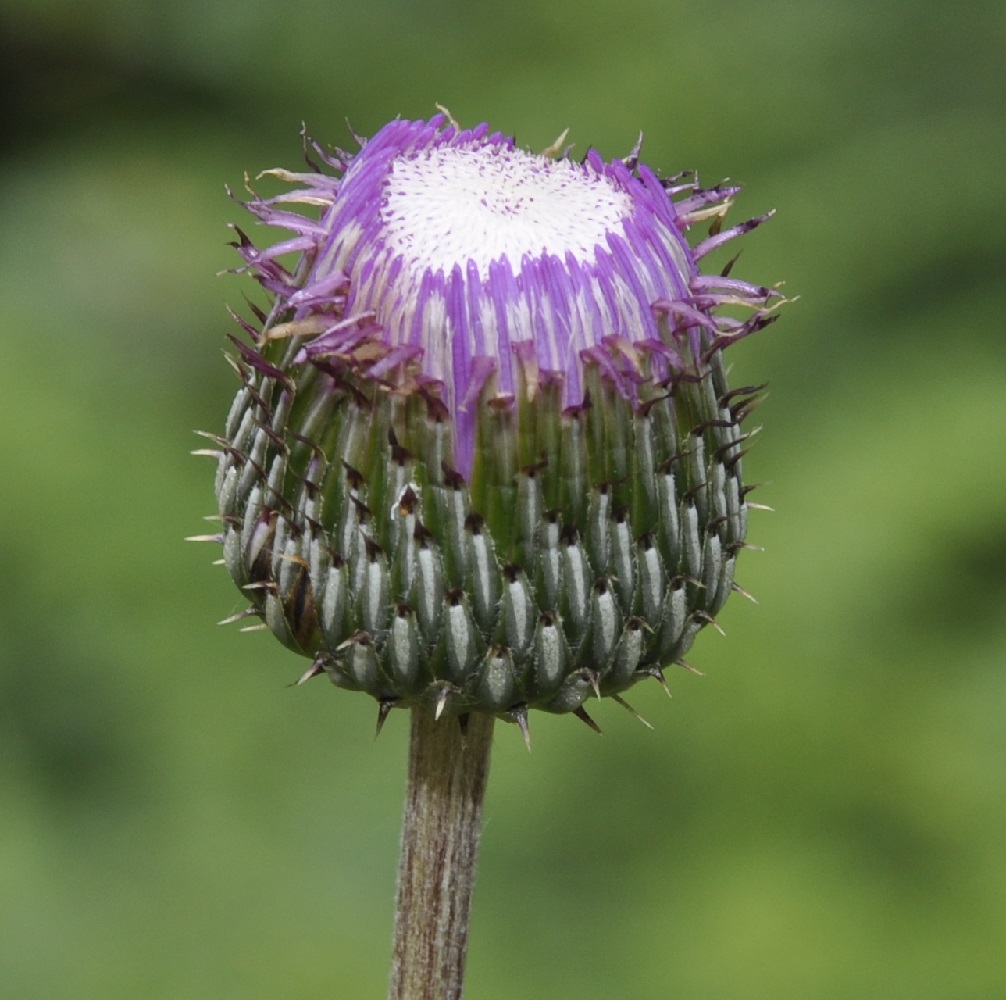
x=448, y=768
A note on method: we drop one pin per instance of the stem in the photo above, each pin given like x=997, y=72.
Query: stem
x=440, y=840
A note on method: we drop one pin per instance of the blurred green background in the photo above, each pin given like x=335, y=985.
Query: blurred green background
x=823, y=815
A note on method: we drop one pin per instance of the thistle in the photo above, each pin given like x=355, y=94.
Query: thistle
x=484, y=457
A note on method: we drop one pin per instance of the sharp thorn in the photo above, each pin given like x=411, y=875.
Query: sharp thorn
x=441, y=702
x=593, y=678
x=519, y=715
x=621, y=701
x=267, y=585
x=709, y=620
x=247, y=613
x=740, y=590
x=689, y=668
x=312, y=671
x=238, y=370
x=657, y=673
x=749, y=505
x=384, y=708
x=256, y=628
x=215, y=438
x=581, y=714
x=207, y=453
x=219, y=562
x=218, y=538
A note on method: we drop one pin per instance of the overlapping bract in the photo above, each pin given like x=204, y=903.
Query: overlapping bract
x=485, y=543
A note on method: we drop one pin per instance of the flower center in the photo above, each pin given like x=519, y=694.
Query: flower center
x=449, y=206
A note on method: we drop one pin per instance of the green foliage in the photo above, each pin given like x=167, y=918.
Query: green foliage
x=821, y=816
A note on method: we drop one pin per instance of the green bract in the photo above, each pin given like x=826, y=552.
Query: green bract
x=493, y=482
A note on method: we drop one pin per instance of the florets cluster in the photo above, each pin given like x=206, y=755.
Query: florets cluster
x=484, y=451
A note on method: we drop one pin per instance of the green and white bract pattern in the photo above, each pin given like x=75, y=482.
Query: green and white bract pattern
x=484, y=452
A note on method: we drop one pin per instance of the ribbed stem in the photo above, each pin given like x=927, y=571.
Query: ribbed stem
x=440, y=839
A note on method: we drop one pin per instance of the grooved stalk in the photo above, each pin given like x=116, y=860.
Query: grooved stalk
x=440, y=838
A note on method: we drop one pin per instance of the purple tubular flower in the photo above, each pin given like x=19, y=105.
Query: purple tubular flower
x=485, y=452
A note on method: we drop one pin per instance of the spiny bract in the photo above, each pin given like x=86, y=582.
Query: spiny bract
x=484, y=451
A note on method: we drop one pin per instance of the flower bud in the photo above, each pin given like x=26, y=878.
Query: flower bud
x=484, y=451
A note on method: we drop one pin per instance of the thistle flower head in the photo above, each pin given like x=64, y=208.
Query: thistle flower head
x=484, y=451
